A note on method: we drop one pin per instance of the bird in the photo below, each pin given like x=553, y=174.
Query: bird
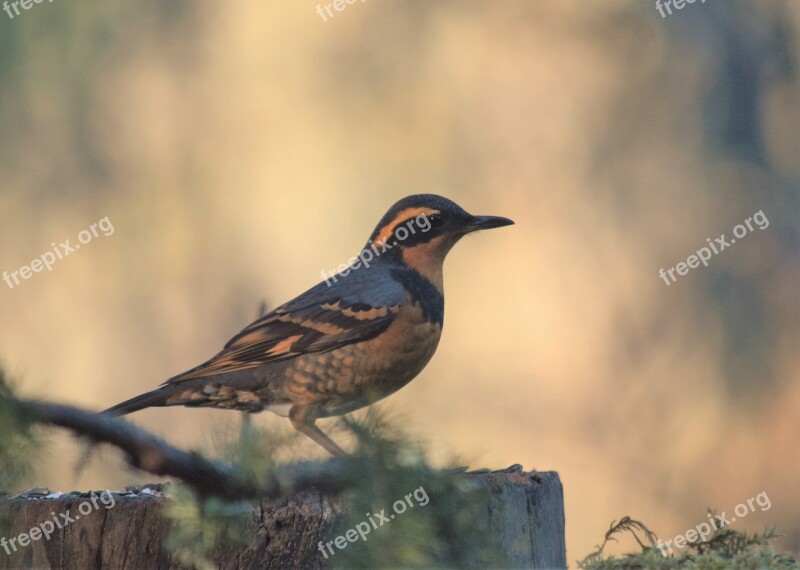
x=353, y=339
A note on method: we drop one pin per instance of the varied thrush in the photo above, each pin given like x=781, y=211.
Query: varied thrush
x=351, y=340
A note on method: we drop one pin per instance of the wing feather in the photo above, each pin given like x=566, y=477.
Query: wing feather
x=299, y=327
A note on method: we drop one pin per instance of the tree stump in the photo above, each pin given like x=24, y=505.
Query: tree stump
x=523, y=520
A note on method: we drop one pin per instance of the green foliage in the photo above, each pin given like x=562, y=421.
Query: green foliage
x=433, y=524
x=441, y=532
x=196, y=527
x=18, y=443
x=727, y=548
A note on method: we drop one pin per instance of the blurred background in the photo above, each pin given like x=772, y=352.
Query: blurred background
x=240, y=149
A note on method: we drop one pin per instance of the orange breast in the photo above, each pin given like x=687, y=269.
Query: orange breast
x=353, y=376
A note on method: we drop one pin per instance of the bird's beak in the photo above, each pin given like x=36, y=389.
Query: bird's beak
x=487, y=223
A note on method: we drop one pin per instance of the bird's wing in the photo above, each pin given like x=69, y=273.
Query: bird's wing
x=317, y=321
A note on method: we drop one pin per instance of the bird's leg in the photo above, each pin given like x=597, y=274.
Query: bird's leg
x=303, y=421
x=247, y=429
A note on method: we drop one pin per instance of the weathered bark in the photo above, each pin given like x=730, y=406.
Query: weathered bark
x=524, y=519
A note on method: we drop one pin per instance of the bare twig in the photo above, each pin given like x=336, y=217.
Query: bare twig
x=149, y=453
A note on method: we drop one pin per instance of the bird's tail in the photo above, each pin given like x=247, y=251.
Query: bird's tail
x=147, y=400
x=154, y=398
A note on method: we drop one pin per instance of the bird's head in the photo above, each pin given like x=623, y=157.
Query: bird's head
x=419, y=231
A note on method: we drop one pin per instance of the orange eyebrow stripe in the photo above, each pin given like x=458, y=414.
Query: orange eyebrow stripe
x=401, y=217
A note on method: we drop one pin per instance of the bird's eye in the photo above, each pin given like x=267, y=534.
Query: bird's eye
x=436, y=220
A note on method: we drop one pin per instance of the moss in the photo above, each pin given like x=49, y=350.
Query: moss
x=727, y=548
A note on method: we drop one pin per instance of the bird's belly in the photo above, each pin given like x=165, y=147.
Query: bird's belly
x=355, y=375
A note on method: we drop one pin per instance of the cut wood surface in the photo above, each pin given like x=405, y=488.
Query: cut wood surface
x=524, y=520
